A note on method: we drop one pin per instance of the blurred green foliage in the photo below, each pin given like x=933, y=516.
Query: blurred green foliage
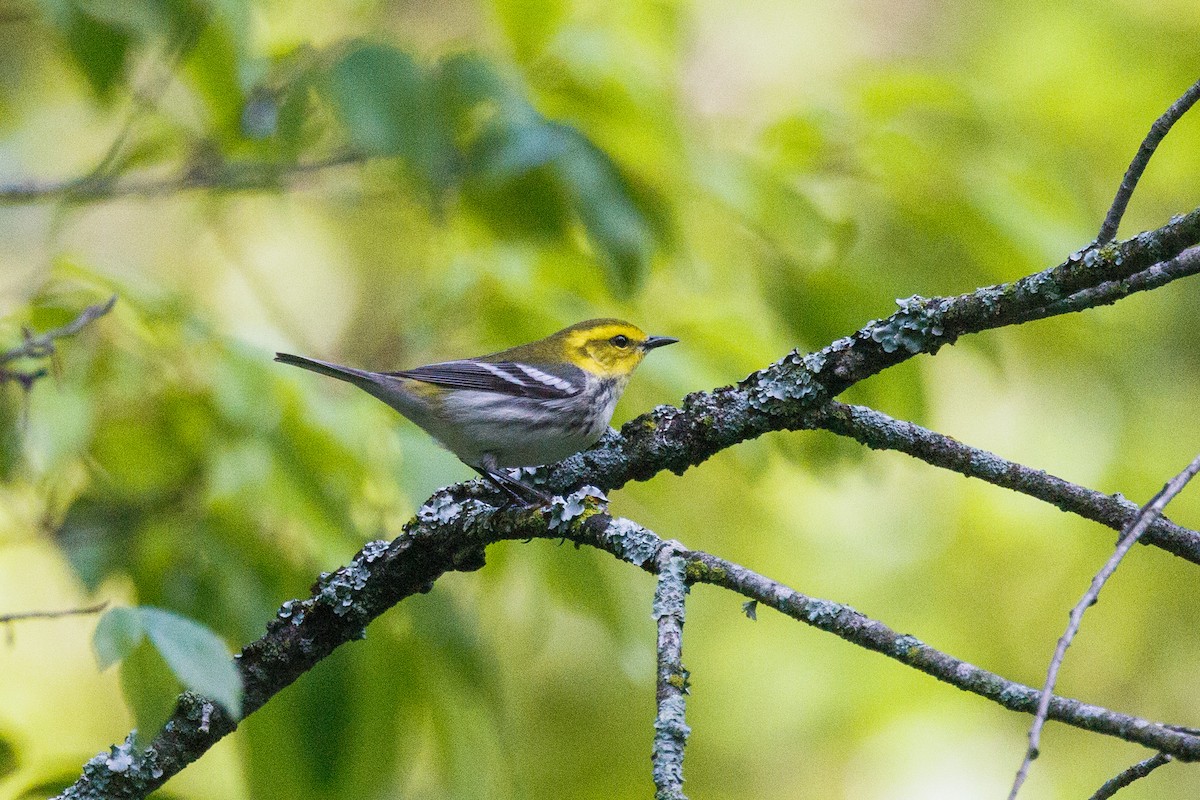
x=750, y=179
x=196, y=659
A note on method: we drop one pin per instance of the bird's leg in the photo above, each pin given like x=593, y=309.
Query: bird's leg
x=509, y=494
x=512, y=487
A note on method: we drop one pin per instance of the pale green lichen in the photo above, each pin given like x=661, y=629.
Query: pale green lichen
x=750, y=609
x=680, y=680
x=905, y=644
x=632, y=542
x=671, y=590
x=293, y=610
x=790, y=381
x=822, y=612
x=442, y=507
x=339, y=589
x=671, y=732
x=120, y=772
x=916, y=327
x=578, y=505
x=698, y=572
x=373, y=550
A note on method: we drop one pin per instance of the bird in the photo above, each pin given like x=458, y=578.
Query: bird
x=529, y=405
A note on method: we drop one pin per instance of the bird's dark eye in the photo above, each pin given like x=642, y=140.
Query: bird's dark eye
x=620, y=340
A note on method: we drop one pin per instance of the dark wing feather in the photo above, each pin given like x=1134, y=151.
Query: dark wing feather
x=543, y=381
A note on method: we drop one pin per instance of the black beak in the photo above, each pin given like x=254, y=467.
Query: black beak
x=657, y=341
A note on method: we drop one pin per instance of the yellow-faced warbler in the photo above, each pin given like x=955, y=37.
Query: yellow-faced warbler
x=528, y=405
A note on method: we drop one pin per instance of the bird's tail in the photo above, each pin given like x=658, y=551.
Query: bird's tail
x=388, y=388
x=356, y=376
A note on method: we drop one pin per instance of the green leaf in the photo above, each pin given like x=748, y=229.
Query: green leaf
x=151, y=689
x=100, y=33
x=117, y=634
x=507, y=149
x=213, y=63
x=382, y=97
x=196, y=655
x=98, y=48
x=8, y=758
x=148, y=19
x=97, y=536
x=464, y=80
x=605, y=204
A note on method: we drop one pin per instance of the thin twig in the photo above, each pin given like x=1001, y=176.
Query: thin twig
x=670, y=729
x=224, y=177
x=24, y=616
x=881, y=432
x=1108, y=230
x=1129, y=537
x=42, y=345
x=1136, y=772
x=143, y=101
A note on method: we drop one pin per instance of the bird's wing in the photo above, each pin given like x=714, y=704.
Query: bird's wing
x=545, y=381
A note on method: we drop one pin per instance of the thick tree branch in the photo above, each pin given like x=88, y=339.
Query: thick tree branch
x=451, y=534
x=787, y=394
x=1104, y=294
x=881, y=432
x=670, y=729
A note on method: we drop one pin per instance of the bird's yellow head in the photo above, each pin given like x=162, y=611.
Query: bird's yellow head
x=607, y=348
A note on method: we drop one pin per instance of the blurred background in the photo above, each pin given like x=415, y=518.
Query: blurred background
x=391, y=183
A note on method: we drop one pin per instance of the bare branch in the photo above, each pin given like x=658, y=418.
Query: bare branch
x=1183, y=265
x=42, y=345
x=670, y=729
x=788, y=394
x=451, y=534
x=223, y=177
x=1108, y=230
x=1129, y=537
x=68, y=612
x=881, y=432
x=1136, y=772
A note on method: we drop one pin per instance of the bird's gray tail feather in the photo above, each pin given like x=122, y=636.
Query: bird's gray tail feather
x=356, y=376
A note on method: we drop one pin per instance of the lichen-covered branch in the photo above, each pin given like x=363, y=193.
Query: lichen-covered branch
x=452, y=533
x=881, y=432
x=1129, y=537
x=788, y=393
x=1181, y=266
x=1128, y=776
x=670, y=729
